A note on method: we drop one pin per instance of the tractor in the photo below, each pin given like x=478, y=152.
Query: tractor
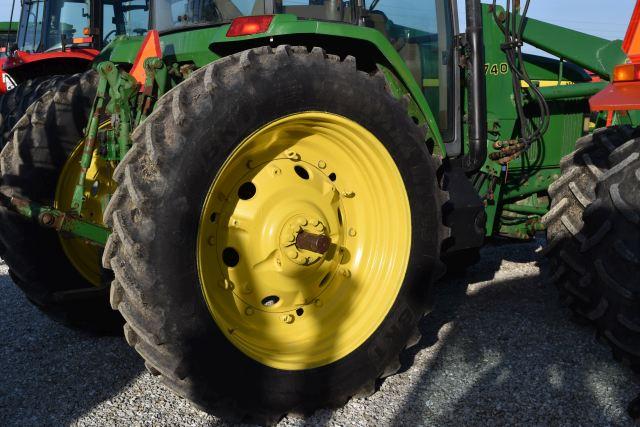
x=58, y=38
x=267, y=191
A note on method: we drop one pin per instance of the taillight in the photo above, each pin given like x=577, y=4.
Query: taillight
x=81, y=40
x=247, y=25
x=626, y=73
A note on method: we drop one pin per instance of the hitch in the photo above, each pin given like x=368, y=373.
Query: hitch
x=66, y=223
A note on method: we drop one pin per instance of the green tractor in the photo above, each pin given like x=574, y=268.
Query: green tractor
x=268, y=190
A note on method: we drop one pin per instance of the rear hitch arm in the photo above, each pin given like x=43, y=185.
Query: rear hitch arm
x=65, y=223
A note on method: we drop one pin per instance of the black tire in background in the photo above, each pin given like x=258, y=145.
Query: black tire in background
x=155, y=214
x=30, y=165
x=593, y=232
x=14, y=103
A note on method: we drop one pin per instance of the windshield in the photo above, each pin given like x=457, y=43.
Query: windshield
x=45, y=24
x=124, y=17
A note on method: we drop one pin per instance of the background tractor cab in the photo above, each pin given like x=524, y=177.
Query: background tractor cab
x=64, y=36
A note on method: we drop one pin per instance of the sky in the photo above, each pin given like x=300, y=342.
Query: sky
x=608, y=19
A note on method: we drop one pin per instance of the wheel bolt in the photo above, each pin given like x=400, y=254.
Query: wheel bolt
x=292, y=155
x=248, y=311
x=348, y=194
x=352, y=232
x=345, y=272
x=288, y=318
x=322, y=164
x=226, y=284
x=318, y=303
x=211, y=241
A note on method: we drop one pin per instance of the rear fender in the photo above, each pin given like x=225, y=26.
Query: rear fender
x=370, y=48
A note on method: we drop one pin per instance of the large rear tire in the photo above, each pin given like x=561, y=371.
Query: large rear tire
x=177, y=229
x=593, y=232
x=31, y=165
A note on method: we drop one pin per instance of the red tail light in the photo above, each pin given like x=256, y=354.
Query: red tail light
x=247, y=25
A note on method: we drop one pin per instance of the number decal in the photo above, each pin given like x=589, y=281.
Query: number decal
x=496, y=69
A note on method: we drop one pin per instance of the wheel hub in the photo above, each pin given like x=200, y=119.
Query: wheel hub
x=304, y=241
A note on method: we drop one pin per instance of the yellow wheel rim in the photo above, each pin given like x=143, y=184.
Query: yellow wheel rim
x=287, y=306
x=83, y=255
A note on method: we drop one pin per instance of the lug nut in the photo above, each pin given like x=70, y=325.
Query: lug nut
x=226, y=284
x=292, y=155
x=288, y=318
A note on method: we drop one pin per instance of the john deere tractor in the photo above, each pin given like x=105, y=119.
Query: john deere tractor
x=267, y=190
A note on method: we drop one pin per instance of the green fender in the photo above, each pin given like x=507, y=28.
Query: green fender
x=202, y=46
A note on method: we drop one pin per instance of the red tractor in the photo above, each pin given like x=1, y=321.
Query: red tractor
x=57, y=38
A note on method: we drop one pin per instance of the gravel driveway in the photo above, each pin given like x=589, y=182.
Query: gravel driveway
x=497, y=349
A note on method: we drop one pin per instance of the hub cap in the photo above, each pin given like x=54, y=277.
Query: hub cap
x=304, y=240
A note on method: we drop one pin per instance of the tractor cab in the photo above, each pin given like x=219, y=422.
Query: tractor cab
x=50, y=25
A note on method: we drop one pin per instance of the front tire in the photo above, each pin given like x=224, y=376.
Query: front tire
x=169, y=180
x=593, y=232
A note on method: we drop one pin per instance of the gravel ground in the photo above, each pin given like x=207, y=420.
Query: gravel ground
x=497, y=349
